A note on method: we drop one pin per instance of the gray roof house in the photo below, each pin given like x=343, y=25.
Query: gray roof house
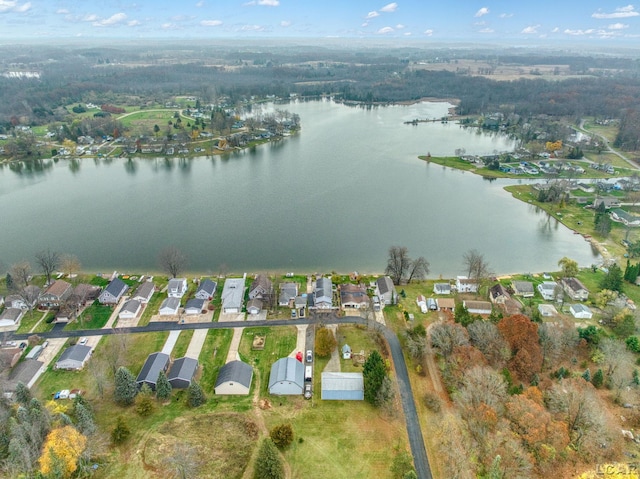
x=177, y=287
x=232, y=295
x=254, y=306
x=169, y=307
x=10, y=318
x=580, y=311
x=442, y=288
x=113, y=292
x=478, y=307
x=260, y=287
x=288, y=291
x=155, y=363
x=287, y=377
x=182, y=372
x=130, y=309
x=144, y=292
x=385, y=290
x=342, y=386
x=74, y=357
x=234, y=378
x=547, y=290
x=323, y=295
x=194, y=306
x=206, y=289
x=523, y=288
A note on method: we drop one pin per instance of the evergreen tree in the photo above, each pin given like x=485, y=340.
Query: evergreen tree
x=602, y=222
x=9, y=282
x=195, y=395
x=85, y=422
x=598, y=379
x=23, y=395
x=121, y=432
x=373, y=372
x=163, y=387
x=461, y=314
x=126, y=387
x=268, y=463
x=587, y=376
x=613, y=279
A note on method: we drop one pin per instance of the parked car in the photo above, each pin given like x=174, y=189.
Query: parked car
x=309, y=356
x=307, y=391
x=82, y=341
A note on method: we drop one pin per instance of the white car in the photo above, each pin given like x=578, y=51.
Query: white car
x=309, y=356
x=82, y=341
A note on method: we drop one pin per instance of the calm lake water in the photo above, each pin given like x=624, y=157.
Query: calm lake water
x=333, y=197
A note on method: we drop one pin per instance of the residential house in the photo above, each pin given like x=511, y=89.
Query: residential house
x=442, y=288
x=84, y=294
x=466, y=285
x=177, y=287
x=206, y=289
x=130, y=309
x=523, y=288
x=25, y=300
x=113, y=292
x=261, y=287
x=55, y=294
x=194, y=306
x=323, y=295
x=9, y=357
x=498, y=294
x=624, y=217
x=74, y=357
x=446, y=304
x=254, y=306
x=10, y=318
x=385, y=290
x=233, y=295
x=422, y=303
x=155, y=363
x=547, y=310
x=346, y=352
x=234, y=378
x=477, y=307
x=182, y=372
x=342, y=386
x=353, y=296
x=580, y=311
x=287, y=377
x=169, y=307
x=547, y=290
x=144, y=292
x=608, y=201
x=575, y=289
x=288, y=291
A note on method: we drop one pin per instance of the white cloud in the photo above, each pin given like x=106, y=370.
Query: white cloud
x=399, y=26
x=620, y=12
x=407, y=34
x=506, y=15
x=371, y=15
x=265, y=3
x=481, y=12
x=112, y=20
x=385, y=30
x=285, y=23
x=63, y=11
x=211, y=23
x=133, y=23
x=168, y=26
x=365, y=24
x=555, y=30
x=428, y=32
x=487, y=30
x=579, y=32
x=13, y=6
x=530, y=29
x=200, y=4
x=389, y=8
x=618, y=26
x=91, y=17
x=252, y=28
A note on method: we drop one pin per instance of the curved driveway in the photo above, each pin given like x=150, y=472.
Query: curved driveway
x=416, y=441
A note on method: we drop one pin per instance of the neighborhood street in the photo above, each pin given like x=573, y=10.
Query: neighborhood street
x=416, y=441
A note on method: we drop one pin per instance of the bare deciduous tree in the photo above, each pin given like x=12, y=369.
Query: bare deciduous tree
x=48, y=261
x=184, y=461
x=418, y=269
x=21, y=273
x=487, y=338
x=172, y=261
x=70, y=264
x=398, y=263
x=477, y=268
x=445, y=336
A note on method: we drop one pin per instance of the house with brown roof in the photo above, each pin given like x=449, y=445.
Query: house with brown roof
x=523, y=288
x=575, y=289
x=353, y=296
x=478, y=307
x=55, y=294
x=260, y=287
x=85, y=293
x=498, y=294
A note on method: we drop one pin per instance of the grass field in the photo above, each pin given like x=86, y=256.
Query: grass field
x=94, y=317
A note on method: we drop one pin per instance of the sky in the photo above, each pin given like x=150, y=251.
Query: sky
x=603, y=21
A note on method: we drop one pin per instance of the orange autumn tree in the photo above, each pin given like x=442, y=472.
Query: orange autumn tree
x=61, y=450
x=522, y=335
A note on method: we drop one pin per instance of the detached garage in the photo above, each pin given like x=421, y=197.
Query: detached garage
x=234, y=378
x=287, y=377
x=74, y=357
x=182, y=372
x=342, y=386
x=155, y=363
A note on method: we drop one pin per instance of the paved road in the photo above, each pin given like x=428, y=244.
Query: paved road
x=416, y=441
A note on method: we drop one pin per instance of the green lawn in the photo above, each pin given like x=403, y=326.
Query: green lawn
x=182, y=344
x=94, y=317
x=152, y=307
x=213, y=355
x=31, y=319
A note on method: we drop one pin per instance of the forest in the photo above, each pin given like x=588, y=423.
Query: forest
x=37, y=83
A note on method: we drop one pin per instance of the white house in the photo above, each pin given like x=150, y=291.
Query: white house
x=177, y=287
x=385, y=290
x=466, y=285
x=547, y=290
x=353, y=296
x=74, y=357
x=130, y=309
x=170, y=307
x=580, y=311
x=442, y=288
x=422, y=303
x=206, y=289
x=575, y=289
x=288, y=291
x=194, y=306
x=254, y=306
x=233, y=295
x=113, y=292
x=234, y=378
x=323, y=295
x=523, y=288
x=547, y=310
x=260, y=287
x=478, y=307
x=144, y=292
x=10, y=318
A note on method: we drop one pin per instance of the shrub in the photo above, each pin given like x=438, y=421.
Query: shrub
x=432, y=402
x=282, y=435
x=121, y=432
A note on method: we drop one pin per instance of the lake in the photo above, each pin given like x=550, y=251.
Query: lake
x=334, y=197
